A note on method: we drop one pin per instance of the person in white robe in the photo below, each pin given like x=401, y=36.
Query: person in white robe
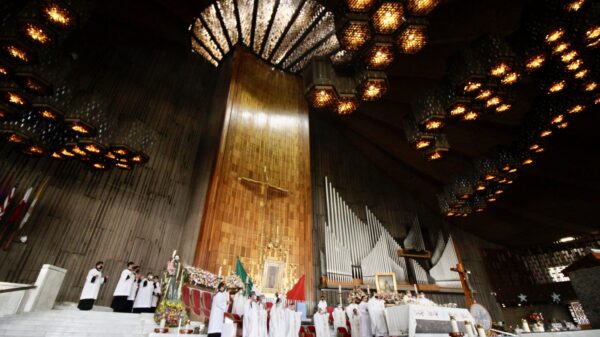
x=239, y=301
x=321, y=320
x=339, y=318
x=322, y=304
x=123, y=289
x=277, y=321
x=217, y=311
x=93, y=281
x=376, y=307
x=143, y=298
x=155, y=294
x=365, y=319
x=293, y=321
x=262, y=317
x=353, y=312
x=134, y=289
x=250, y=325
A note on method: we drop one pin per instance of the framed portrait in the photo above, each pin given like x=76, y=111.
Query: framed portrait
x=273, y=272
x=386, y=283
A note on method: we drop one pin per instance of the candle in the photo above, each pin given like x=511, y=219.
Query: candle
x=340, y=288
x=368, y=289
x=220, y=267
x=174, y=253
x=469, y=329
x=454, y=324
x=480, y=331
x=525, y=325
x=416, y=291
x=163, y=322
x=179, y=327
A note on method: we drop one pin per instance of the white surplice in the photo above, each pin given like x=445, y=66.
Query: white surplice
x=250, y=325
x=277, y=321
x=125, y=283
x=238, y=303
x=93, y=281
x=377, y=313
x=292, y=322
x=155, y=293
x=143, y=299
x=262, y=320
x=321, y=321
x=365, y=320
x=353, y=313
x=322, y=305
x=217, y=312
x=339, y=318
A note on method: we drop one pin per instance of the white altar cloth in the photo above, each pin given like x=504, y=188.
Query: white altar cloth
x=402, y=319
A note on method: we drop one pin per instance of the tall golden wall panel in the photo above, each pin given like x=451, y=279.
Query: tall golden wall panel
x=265, y=139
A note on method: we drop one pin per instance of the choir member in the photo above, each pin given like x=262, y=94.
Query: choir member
x=250, y=324
x=365, y=319
x=321, y=320
x=339, y=318
x=353, y=312
x=134, y=289
x=322, y=304
x=277, y=322
x=155, y=294
x=376, y=307
x=239, y=301
x=93, y=281
x=262, y=317
x=123, y=289
x=217, y=312
x=292, y=322
x=143, y=298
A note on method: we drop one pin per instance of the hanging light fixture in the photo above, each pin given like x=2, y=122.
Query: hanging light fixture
x=7, y=111
x=466, y=72
x=34, y=84
x=347, y=101
x=412, y=36
x=33, y=136
x=15, y=51
x=58, y=14
x=429, y=109
x=359, y=6
x=421, y=7
x=439, y=148
x=592, y=36
x=379, y=54
x=388, y=17
x=12, y=95
x=416, y=138
x=497, y=57
x=353, y=31
x=535, y=62
x=36, y=33
x=372, y=85
x=319, y=86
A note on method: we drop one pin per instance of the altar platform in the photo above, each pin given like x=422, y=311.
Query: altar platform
x=424, y=320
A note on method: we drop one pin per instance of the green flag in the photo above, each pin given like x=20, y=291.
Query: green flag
x=241, y=272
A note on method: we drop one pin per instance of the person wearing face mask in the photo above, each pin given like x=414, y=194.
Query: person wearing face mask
x=91, y=288
x=143, y=299
x=155, y=294
x=217, y=312
x=134, y=289
x=123, y=289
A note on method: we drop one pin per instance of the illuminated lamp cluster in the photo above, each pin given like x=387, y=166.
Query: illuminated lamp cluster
x=379, y=54
x=372, y=85
x=388, y=17
x=421, y=7
x=412, y=37
x=354, y=34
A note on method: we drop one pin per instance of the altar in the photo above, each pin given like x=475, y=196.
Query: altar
x=424, y=320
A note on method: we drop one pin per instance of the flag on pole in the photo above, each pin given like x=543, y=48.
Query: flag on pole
x=241, y=272
x=13, y=220
x=297, y=292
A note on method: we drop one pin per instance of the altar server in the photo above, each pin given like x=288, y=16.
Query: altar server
x=376, y=307
x=250, y=325
x=321, y=320
x=93, y=281
x=322, y=304
x=262, y=317
x=277, y=322
x=239, y=301
x=353, y=312
x=134, y=289
x=293, y=321
x=217, y=312
x=123, y=289
x=143, y=298
x=155, y=293
x=339, y=318
x=365, y=319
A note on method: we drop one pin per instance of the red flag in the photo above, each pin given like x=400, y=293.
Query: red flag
x=297, y=292
x=13, y=220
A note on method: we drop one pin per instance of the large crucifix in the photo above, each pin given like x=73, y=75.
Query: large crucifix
x=463, y=274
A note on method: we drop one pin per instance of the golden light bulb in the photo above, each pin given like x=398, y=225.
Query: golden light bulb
x=421, y=144
x=15, y=98
x=528, y=161
x=36, y=33
x=470, y=116
x=491, y=199
x=590, y=86
x=47, y=114
x=77, y=150
x=498, y=192
x=433, y=125
x=574, y=6
x=16, y=139
x=346, y=105
x=35, y=149
x=110, y=155
x=557, y=119
x=534, y=147
x=561, y=47
x=545, y=133
x=574, y=65
x=67, y=153
x=535, y=62
x=563, y=125
x=557, y=86
x=480, y=188
x=17, y=53
x=576, y=109
x=499, y=70
x=80, y=129
x=58, y=15
x=568, y=57
x=56, y=155
x=493, y=102
x=503, y=107
x=593, y=33
x=484, y=94
x=555, y=35
x=539, y=150
x=510, y=78
x=471, y=86
x=489, y=177
x=458, y=109
x=99, y=166
x=435, y=155
x=582, y=73
x=93, y=148
x=512, y=170
x=388, y=17
x=3, y=71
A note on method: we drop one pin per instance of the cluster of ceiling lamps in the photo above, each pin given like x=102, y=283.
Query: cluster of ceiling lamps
x=40, y=116
x=370, y=34
x=562, y=56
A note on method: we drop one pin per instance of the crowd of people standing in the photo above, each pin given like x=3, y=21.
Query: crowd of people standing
x=135, y=292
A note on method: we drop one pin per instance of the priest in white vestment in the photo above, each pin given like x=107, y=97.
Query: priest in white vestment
x=277, y=321
x=321, y=320
x=365, y=319
x=293, y=321
x=217, y=312
x=250, y=325
x=376, y=307
x=239, y=301
x=91, y=288
x=143, y=298
x=353, y=312
x=339, y=318
x=123, y=289
x=262, y=317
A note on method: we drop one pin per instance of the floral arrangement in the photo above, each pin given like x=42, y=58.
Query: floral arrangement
x=393, y=298
x=172, y=311
x=201, y=277
x=233, y=281
x=355, y=294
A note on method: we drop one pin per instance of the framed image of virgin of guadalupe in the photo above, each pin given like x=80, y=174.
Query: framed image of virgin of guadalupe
x=386, y=283
x=273, y=272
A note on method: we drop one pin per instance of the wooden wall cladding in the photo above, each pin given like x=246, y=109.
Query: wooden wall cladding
x=266, y=125
x=116, y=216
